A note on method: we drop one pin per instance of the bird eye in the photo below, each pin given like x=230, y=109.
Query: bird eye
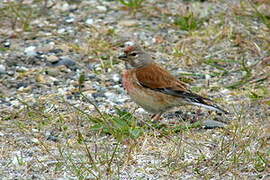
x=133, y=54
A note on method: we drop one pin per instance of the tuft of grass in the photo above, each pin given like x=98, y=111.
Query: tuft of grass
x=18, y=14
x=188, y=22
x=259, y=93
x=194, y=0
x=3, y=49
x=245, y=79
x=121, y=126
x=264, y=18
x=132, y=4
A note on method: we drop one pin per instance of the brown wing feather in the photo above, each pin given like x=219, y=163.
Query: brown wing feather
x=155, y=77
x=158, y=79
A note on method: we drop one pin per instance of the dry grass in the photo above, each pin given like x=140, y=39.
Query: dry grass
x=51, y=137
x=68, y=142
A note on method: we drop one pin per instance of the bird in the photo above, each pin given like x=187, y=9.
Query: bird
x=154, y=88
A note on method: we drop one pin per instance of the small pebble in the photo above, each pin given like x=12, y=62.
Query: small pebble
x=116, y=77
x=35, y=130
x=52, y=138
x=21, y=69
x=128, y=23
x=21, y=84
x=207, y=77
x=92, y=76
x=140, y=110
x=102, y=8
x=129, y=43
x=15, y=157
x=70, y=19
x=64, y=7
x=210, y=124
x=55, y=51
x=2, y=69
x=35, y=140
x=52, y=72
x=89, y=21
x=66, y=61
x=61, y=31
x=109, y=95
x=30, y=51
x=96, y=95
x=6, y=44
x=52, y=58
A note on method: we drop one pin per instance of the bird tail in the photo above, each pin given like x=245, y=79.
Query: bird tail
x=198, y=100
x=192, y=98
x=210, y=106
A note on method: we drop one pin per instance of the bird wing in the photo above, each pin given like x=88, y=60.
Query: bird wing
x=155, y=77
x=159, y=79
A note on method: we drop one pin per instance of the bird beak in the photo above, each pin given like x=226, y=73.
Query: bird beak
x=122, y=56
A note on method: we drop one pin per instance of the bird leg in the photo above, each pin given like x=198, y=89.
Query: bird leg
x=156, y=117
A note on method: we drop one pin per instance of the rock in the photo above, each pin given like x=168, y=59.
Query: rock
x=129, y=43
x=52, y=138
x=52, y=72
x=102, y=8
x=24, y=89
x=110, y=95
x=66, y=61
x=55, y=51
x=70, y=19
x=62, y=6
x=30, y=51
x=97, y=95
x=207, y=77
x=41, y=78
x=21, y=69
x=93, y=66
x=210, y=124
x=61, y=30
x=34, y=140
x=52, y=58
x=91, y=76
x=176, y=114
x=116, y=77
x=22, y=84
x=89, y=21
x=6, y=44
x=14, y=157
x=128, y=23
x=2, y=69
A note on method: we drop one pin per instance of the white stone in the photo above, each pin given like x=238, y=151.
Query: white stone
x=109, y=95
x=35, y=140
x=2, y=68
x=30, y=51
x=116, y=77
x=102, y=8
x=129, y=43
x=207, y=77
x=89, y=21
x=60, y=31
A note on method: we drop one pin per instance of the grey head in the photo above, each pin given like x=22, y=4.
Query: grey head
x=135, y=57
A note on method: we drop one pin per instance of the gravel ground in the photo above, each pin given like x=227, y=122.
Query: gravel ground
x=46, y=126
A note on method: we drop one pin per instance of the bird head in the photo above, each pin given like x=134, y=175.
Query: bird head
x=135, y=57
